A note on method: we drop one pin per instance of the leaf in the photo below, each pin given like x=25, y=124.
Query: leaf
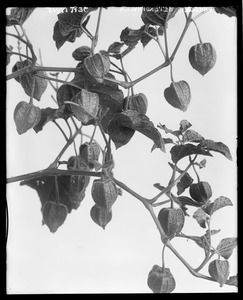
x=192, y=136
x=145, y=38
x=158, y=15
x=19, y=15
x=167, y=130
x=115, y=47
x=219, y=270
x=184, y=200
x=233, y=280
x=45, y=188
x=180, y=151
x=28, y=80
x=218, y=203
x=50, y=114
x=68, y=28
x=201, y=217
x=217, y=147
x=81, y=53
x=8, y=53
x=178, y=94
x=226, y=246
x=87, y=106
x=229, y=11
x=131, y=36
x=130, y=121
x=184, y=125
x=26, y=116
x=54, y=215
x=184, y=183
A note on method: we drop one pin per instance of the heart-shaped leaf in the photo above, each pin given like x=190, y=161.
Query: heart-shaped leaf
x=19, y=15
x=218, y=203
x=201, y=216
x=123, y=126
x=131, y=36
x=192, y=136
x=217, y=147
x=26, y=116
x=226, y=246
x=85, y=106
x=28, y=80
x=178, y=95
x=68, y=28
x=158, y=15
x=180, y=151
x=202, y=57
x=54, y=215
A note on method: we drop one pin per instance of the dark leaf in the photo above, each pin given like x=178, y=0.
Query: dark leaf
x=26, y=116
x=184, y=183
x=184, y=200
x=233, y=280
x=134, y=121
x=81, y=53
x=180, y=151
x=115, y=47
x=100, y=216
x=229, y=11
x=192, y=136
x=226, y=246
x=218, y=203
x=157, y=15
x=8, y=53
x=19, y=15
x=49, y=114
x=131, y=36
x=145, y=38
x=86, y=105
x=68, y=26
x=54, y=215
x=167, y=130
x=45, y=188
x=184, y=125
x=28, y=80
x=217, y=147
x=201, y=217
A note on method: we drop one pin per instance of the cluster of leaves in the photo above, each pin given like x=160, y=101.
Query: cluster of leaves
x=93, y=97
x=172, y=219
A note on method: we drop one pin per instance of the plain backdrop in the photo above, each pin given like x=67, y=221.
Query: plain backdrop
x=82, y=257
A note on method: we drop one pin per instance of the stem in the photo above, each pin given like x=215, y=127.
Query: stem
x=165, y=64
x=52, y=172
x=95, y=38
x=58, y=80
x=173, y=183
x=68, y=143
x=163, y=257
x=60, y=128
x=20, y=54
x=57, y=190
x=188, y=22
x=198, y=33
x=205, y=261
x=30, y=46
x=30, y=69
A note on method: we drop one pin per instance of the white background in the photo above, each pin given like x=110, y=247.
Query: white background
x=82, y=257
